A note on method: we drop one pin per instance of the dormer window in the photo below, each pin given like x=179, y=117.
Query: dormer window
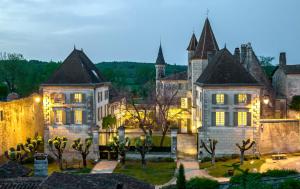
x=59, y=98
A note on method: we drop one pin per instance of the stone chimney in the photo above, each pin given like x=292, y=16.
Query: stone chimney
x=243, y=52
x=237, y=54
x=282, y=59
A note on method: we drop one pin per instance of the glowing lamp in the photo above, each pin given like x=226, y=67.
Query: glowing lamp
x=142, y=137
x=37, y=99
x=266, y=99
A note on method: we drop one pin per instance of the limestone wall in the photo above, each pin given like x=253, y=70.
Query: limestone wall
x=281, y=136
x=22, y=118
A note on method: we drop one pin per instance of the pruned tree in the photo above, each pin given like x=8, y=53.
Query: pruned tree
x=83, y=148
x=143, y=146
x=31, y=145
x=121, y=147
x=57, y=146
x=14, y=154
x=141, y=108
x=165, y=98
x=246, y=145
x=211, y=149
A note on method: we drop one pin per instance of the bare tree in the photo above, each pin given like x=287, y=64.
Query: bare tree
x=246, y=145
x=210, y=149
x=166, y=97
x=141, y=108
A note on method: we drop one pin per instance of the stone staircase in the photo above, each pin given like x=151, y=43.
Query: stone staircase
x=187, y=146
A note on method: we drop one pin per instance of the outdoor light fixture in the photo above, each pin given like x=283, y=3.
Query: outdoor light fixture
x=142, y=137
x=37, y=99
x=266, y=99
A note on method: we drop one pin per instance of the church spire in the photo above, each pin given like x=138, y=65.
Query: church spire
x=193, y=43
x=160, y=60
x=207, y=42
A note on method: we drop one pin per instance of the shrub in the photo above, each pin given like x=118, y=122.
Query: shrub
x=239, y=179
x=206, y=159
x=279, y=173
x=201, y=183
x=295, y=104
x=290, y=184
x=181, y=182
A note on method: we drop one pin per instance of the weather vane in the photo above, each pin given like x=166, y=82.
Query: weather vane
x=207, y=12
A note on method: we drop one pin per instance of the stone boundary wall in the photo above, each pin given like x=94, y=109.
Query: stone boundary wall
x=279, y=136
x=22, y=118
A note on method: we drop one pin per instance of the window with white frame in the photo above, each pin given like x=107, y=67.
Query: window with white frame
x=242, y=98
x=242, y=118
x=78, y=116
x=220, y=118
x=59, y=117
x=78, y=97
x=220, y=98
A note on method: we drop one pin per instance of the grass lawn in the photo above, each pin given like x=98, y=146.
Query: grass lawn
x=154, y=173
x=220, y=168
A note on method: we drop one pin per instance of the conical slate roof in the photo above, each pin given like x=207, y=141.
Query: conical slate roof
x=160, y=60
x=207, y=42
x=193, y=43
x=77, y=68
x=224, y=69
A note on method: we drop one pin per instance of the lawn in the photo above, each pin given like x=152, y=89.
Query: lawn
x=220, y=168
x=155, y=173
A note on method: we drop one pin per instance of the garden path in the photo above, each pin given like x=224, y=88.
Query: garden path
x=289, y=163
x=104, y=166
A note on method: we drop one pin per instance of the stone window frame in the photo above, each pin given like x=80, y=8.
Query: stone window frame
x=220, y=99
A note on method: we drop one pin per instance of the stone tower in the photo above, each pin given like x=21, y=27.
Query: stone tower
x=160, y=65
x=191, y=51
x=206, y=48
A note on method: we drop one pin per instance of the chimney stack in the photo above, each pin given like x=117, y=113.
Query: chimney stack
x=282, y=59
x=243, y=52
x=237, y=54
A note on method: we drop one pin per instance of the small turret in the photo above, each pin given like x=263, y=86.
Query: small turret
x=160, y=64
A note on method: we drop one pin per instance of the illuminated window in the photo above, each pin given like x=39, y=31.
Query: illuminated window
x=242, y=118
x=220, y=118
x=78, y=116
x=77, y=97
x=59, y=117
x=59, y=98
x=242, y=98
x=220, y=98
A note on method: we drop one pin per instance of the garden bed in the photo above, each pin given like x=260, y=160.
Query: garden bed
x=154, y=173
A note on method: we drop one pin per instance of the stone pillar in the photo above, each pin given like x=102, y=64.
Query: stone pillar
x=201, y=136
x=96, y=152
x=174, y=133
x=40, y=165
x=121, y=133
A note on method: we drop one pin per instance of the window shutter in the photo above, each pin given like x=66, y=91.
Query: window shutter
x=68, y=116
x=64, y=117
x=248, y=118
x=235, y=118
x=189, y=102
x=213, y=99
x=179, y=124
x=72, y=119
x=213, y=118
x=83, y=98
x=225, y=99
x=84, y=117
x=52, y=95
x=52, y=117
x=248, y=98
x=72, y=98
x=236, y=99
x=227, y=119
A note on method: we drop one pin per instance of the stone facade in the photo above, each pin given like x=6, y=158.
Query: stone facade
x=20, y=119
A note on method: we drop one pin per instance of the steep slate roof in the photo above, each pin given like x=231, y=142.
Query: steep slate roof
x=93, y=181
x=176, y=76
x=13, y=169
x=193, y=43
x=77, y=68
x=160, y=60
x=225, y=70
x=207, y=42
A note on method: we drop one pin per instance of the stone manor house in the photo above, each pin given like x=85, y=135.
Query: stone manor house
x=222, y=95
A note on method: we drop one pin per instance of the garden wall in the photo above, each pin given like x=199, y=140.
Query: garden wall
x=279, y=136
x=19, y=119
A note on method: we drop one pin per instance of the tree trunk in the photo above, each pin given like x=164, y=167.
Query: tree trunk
x=213, y=158
x=84, y=160
x=122, y=159
x=60, y=162
x=143, y=159
x=242, y=157
x=162, y=139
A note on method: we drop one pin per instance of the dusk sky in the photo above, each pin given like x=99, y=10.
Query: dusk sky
x=130, y=30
